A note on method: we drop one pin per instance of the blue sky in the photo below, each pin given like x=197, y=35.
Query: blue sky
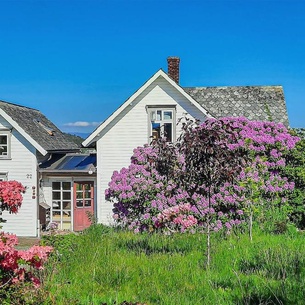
x=77, y=61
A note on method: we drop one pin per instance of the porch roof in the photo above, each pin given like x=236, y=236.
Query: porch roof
x=74, y=163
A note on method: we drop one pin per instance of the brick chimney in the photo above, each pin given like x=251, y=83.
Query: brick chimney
x=173, y=68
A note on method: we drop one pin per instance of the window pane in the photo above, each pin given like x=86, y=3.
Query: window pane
x=66, y=205
x=56, y=185
x=87, y=194
x=155, y=130
x=168, y=131
x=168, y=115
x=78, y=186
x=87, y=186
x=56, y=216
x=79, y=203
x=66, y=216
x=56, y=195
x=79, y=195
x=66, y=185
x=88, y=203
x=3, y=150
x=66, y=225
x=66, y=195
x=3, y=139
x=159, y=115
x=153, y=115
x=56, y=205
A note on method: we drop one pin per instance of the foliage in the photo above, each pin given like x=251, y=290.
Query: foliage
x=199, y=170
x=295, y=171
x=20, y=265
x=10, y=197
x=18, y=268
x=167, y=269
x=63, y=243
x=74, y=138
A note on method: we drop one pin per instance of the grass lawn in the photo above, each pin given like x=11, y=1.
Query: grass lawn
x=104, y=266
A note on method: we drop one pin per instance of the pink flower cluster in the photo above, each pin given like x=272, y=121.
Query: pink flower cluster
x=178, y=218
x=19, y=266
x=11, y=195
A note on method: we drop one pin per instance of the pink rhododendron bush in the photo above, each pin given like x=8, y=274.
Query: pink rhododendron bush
x=20, y=265
x=11, y=196
x=215, y=176
x=17, y=266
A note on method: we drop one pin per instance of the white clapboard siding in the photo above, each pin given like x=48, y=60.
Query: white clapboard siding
x=130, y=130
x=22, y=167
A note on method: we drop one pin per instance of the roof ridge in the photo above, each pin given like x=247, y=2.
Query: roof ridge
x=246, y=86
x=17, y=105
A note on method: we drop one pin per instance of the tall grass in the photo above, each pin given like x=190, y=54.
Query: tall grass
x=108, y=266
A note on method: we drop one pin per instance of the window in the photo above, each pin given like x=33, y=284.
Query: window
x=162, y=123
x=83, y=194
x=61, y=204
x=3, y=176
x=4, y=144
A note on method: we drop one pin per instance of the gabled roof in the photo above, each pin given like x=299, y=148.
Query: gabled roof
x=257, y=103
x=36, y=128
x=92, y=137
x=260, y=103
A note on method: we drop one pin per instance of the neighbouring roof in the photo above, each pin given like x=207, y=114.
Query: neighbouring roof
x=32, y=123
x=77, y=163
x=257, y=103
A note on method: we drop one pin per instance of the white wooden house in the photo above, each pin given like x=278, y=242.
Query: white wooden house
x=72, y=186
x=157, y=105
x=29, y=140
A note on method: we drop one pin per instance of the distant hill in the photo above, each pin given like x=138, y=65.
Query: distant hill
x=83, y=135
x=77, y=139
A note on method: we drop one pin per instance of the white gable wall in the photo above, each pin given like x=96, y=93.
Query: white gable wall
x=22, y=168
x=130, y=130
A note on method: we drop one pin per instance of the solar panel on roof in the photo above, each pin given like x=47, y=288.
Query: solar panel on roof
x=71, y=162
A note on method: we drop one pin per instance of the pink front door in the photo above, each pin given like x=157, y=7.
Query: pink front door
x=83, y=204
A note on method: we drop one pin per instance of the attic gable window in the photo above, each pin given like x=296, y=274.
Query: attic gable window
x=49, y=130
x=162, y=122
x=5, y=144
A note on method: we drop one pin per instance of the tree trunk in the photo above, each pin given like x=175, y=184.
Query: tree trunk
x=209, y=232
x=208, y=243
x=251, y=225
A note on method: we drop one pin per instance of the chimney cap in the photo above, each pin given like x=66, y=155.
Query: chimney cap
x=173, y=57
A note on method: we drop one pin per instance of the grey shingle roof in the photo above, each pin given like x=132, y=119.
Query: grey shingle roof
x=38, y=127
x=258, y=103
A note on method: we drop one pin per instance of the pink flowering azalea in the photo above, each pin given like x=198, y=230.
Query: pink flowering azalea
x=11, y=195
x=17, y=266
x=13, y=262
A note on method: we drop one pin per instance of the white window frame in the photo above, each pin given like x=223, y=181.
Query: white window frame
x=3, y=176
x=58, y=205
x=153, y=118
x=6, y=133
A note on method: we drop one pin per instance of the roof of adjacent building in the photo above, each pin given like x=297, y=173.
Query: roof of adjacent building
x=77, y=163
x=38, y=128
x=257, y=103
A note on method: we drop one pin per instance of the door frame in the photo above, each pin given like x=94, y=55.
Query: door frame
x=84, y=199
